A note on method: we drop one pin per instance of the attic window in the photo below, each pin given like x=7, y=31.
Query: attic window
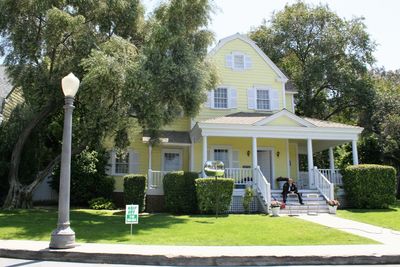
x=238, y=61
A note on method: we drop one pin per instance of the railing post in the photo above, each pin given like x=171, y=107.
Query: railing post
x=332, y=191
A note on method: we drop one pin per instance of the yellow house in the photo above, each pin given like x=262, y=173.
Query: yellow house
x=248, y=122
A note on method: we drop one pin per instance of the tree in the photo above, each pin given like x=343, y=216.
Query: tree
x=149, y=70
x=325, y=56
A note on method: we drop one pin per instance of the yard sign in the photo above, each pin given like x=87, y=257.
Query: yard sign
x=131, y=215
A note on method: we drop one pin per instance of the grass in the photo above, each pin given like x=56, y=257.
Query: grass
x=165, y=229
x=388, y=218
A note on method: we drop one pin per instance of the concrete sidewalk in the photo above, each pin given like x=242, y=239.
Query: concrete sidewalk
x=380, y=234
x=204, y=255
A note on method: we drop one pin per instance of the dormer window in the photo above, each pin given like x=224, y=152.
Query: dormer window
x=238, y=61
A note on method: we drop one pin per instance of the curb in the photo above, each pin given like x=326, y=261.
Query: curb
x=113, y=258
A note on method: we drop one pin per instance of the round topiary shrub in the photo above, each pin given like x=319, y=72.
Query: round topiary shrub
x=207, y=190
x=370, y=186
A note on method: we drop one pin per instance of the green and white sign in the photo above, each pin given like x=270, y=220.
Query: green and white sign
x=132, y=214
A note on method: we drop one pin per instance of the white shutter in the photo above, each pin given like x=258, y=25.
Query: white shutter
x=251, y=98
x=232, y=98
x=133, y=161
x=210, y=99
x=229, y=61
x=247, y=62
x=274, y=96
x=235, y=159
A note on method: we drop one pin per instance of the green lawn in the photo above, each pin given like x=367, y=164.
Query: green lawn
x=165, y=229
x=388, y=218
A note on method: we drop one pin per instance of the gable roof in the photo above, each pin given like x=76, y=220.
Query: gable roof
x=288, y=114
x=246, y=39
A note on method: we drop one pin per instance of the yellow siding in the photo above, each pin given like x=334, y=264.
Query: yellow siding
x=260, y=74
x=293, y=160
x=180, y=124
x=283, y=121
x=289, y=102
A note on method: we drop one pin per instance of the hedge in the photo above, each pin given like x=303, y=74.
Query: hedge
x=370, y=186
x=135, y=190
x=180, y=192
x=207, y=190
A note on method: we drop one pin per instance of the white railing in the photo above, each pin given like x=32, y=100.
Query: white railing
x=155, y=179
x=262, y=186
x=241, y=176
x=333, y=176
x=324, y=186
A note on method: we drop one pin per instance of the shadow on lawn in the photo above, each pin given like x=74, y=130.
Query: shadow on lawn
x=393, y=208
x=89, y=226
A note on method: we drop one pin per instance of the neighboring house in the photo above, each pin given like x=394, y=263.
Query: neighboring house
x=248, y=122
x=5, y=89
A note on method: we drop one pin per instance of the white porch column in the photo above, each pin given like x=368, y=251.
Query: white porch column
x=331, y=160
x=192, y=156
x=355, y=152
x=288, y=158
x=149, y=174
x=310, y=163
x=204, y=155
x=254, y=152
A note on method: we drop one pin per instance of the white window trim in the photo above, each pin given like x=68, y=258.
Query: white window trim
x=172, y=150
x=226, y=147
x=237, y=53
x=227, y=97
x=269, y=100
x=272, y=149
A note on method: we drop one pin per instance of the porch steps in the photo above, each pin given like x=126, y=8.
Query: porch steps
x=314, y=203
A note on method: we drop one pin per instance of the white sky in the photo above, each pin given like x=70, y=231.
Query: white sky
x=382, y=18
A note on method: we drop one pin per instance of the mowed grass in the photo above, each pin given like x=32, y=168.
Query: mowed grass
x=388, y=218
x=166, y=229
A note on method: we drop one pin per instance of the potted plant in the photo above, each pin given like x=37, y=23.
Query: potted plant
x=332, y=205
x=275, y=207
x=281, y=181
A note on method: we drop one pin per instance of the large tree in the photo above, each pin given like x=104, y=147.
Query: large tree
x=325, y=56
x=151, y=70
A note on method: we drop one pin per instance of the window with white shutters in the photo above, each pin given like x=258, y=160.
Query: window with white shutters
x=263, y=99
x=221, y=97
x=238, y=61
x=121, y=165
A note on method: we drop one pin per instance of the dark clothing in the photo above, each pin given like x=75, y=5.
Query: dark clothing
x=287, y=188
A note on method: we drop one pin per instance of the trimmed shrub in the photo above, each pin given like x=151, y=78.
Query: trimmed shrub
x=180, y=192
x=207, y=190
x=135, y=190
x=247, y=199
x=370, y=186
x=101, y=203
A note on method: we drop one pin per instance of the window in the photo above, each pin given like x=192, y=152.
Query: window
x=121, y=163
x=238, y=61
x=263, y=100
x=172, y=160
x=221, y=98
x=222, y=155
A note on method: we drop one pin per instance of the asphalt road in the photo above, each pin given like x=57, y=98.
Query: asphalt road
x=7, y=262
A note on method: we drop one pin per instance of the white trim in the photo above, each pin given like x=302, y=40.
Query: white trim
x=293, y=104
x=355, y=151
x=192, y=156
x=298, y=160
x=272, y=149
x=290, y=115
x=291, y=92
x=246, y=39
x=224, y=147
x=288, y=158
x=284, y=94
x=176, y=144
x=172, y=150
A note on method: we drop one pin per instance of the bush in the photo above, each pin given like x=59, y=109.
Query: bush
x=207, y=190
x=88, y=177
x=135, y=190
x=180, y=192
x=370, y=186
x=101, y=203
x=247, y=199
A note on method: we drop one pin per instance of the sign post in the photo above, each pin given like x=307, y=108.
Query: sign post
x=131, y=215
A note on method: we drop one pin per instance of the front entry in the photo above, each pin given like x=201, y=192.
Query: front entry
x=264, y=160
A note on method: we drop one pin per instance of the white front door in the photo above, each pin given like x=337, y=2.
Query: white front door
x=264, y=160
x=172, y=159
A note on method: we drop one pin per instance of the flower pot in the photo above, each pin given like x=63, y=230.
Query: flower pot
x=332, y=209
x=275, y=211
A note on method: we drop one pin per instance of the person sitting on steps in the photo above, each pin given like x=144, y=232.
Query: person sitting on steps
x=290, y=188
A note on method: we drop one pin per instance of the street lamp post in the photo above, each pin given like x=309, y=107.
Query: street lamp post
x=63, y=236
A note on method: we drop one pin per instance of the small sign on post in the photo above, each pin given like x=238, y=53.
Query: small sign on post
x=131, y=215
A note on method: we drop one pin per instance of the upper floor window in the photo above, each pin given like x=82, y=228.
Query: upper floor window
x=238, y=61
x=263, y=98
x=263, y=101
x=221, y=97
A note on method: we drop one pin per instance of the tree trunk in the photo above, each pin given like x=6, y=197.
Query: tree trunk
x=17, y=193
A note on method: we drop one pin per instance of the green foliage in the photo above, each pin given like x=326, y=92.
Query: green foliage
x=208, y=189
x=135, y=190
x=180, y=192
x=247, y=199
x=370, y=186
x=101, y=203
x=88, y=177
x=325, y=56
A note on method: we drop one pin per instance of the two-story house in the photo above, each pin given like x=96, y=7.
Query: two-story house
x=248, y=122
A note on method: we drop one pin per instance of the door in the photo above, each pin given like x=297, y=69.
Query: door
x=264, y=160
x=172, y=160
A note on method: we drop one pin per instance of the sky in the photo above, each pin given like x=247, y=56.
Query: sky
x=382, y=18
